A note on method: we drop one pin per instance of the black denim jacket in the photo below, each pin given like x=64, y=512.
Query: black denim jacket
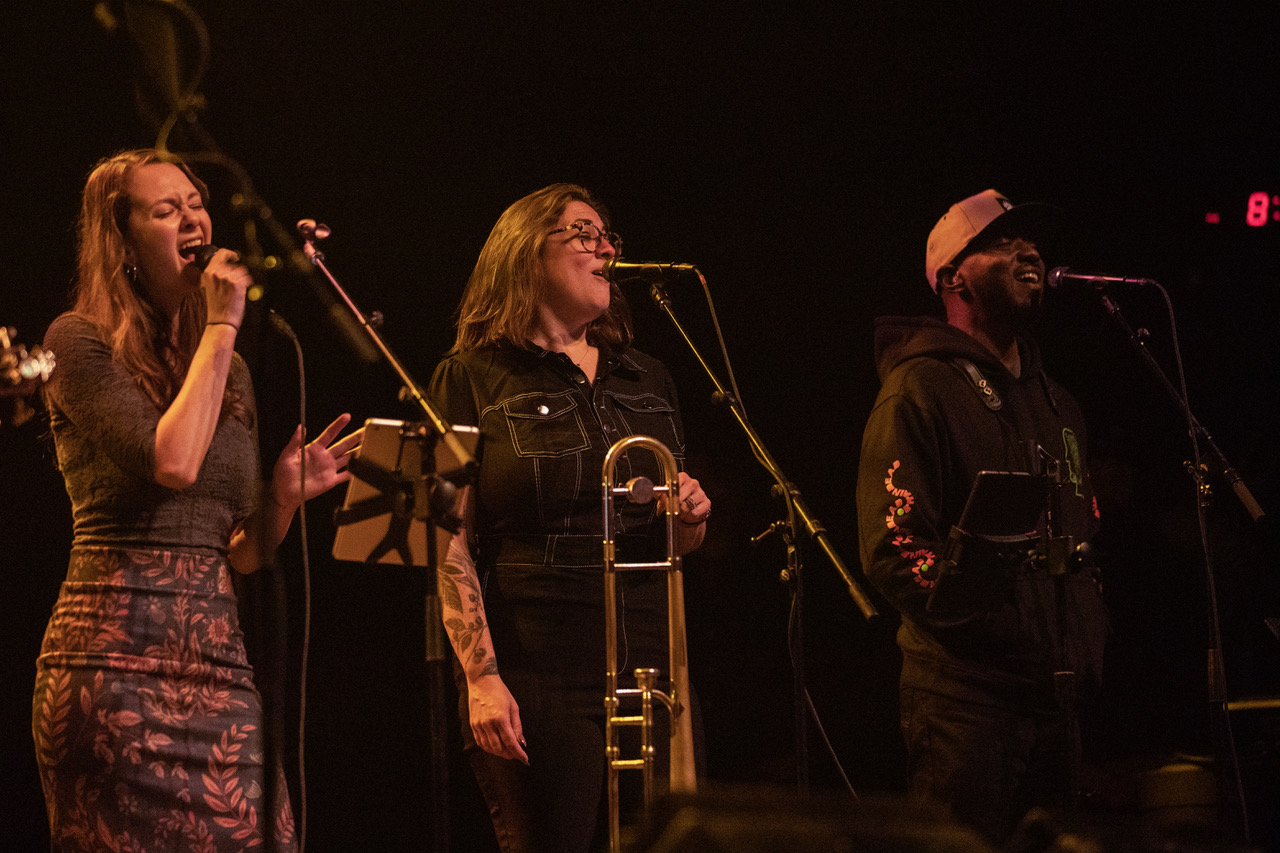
x=544, y=433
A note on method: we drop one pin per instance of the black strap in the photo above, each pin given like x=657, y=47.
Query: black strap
x=980, y=383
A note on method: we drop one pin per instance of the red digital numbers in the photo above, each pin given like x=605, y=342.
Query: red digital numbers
x=1256, y=210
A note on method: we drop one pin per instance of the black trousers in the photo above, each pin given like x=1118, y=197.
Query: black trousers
x=986, y=764
x=554, y=804
x=558, y=803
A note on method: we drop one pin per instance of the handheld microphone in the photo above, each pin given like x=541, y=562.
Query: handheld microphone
x=1059, y=276
x=200, y=255
x=618, y=271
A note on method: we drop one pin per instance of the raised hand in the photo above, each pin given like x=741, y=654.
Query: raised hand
x=326, y=463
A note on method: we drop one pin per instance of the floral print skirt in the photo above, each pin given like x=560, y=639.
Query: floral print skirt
x=147, y=726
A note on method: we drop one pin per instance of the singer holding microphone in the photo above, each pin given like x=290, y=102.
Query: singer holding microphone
x=994, y=642
x=543, y=365
x=147, y=724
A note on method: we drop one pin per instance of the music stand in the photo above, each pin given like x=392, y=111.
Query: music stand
x=404, y=484
x=1003, y=513
x=1001, y=516
x=1005, y=506
x=395, y=490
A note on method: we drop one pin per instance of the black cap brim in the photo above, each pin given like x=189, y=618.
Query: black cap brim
x=1042, y=224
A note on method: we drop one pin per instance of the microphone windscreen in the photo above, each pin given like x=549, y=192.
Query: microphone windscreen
x=201, y=255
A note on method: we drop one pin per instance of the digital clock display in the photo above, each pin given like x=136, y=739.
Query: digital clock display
x=1260, y=208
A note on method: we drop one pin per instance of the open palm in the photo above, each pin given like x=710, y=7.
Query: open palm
x=326, y=463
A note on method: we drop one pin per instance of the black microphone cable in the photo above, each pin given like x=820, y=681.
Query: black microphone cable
x=1216, y=675
x=279, y=324
x=794, y=630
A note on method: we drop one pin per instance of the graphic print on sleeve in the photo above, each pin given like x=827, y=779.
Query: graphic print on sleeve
x=923, y=559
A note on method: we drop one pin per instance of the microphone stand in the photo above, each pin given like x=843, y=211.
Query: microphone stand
x=1223, y=468
x=148, y=29
x=149, y=26
x=1060, y=555
x=1198, y=468
x=799, y=523
x=437, y=646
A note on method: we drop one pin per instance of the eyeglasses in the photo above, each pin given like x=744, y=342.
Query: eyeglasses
x=590, y=235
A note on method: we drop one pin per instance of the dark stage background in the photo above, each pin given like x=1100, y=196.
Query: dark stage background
x=799, y=156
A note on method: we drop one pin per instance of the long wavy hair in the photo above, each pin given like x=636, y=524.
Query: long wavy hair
x=108, y=294
x=502, y=295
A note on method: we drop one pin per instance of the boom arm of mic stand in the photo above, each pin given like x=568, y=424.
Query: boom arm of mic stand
x=1220, y=461
x=411, y=387
x=437, y=646
x=296, y=259
x=811, y=526
x=301, y=263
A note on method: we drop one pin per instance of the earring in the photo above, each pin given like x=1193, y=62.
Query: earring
x=131, y=272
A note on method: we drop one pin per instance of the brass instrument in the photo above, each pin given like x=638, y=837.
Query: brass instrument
x=676, y=699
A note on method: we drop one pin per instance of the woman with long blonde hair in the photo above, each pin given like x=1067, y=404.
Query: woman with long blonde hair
x=147, y=724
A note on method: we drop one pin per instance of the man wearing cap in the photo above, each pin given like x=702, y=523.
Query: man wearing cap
x=989, y=728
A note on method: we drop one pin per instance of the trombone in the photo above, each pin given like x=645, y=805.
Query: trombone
x=641, y=490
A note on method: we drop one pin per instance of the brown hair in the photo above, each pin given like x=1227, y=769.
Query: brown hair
x=501, y=296
x=110, y=297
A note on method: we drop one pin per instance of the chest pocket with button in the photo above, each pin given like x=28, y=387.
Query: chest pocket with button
x=546, y=425
x=651, y=415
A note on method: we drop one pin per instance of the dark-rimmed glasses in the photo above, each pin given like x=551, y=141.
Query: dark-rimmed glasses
x=590, y=235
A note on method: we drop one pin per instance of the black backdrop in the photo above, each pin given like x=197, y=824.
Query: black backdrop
x=799, y=156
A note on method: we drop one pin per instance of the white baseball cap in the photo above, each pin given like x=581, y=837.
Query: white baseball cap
x=980, y=215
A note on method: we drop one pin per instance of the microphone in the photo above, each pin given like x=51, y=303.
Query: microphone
x=618, y=271
x=200, y=255
x=312, y=230
x=1059, y=276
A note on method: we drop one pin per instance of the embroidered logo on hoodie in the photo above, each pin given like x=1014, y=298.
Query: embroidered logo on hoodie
x=903, y=501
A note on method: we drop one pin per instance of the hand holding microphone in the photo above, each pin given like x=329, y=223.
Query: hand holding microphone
x=225, y=283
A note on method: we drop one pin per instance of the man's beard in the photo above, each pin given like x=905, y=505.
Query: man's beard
x=1001, y=305
x=1028, y=316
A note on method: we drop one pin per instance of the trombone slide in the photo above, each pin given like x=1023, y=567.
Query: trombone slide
x=676, y=699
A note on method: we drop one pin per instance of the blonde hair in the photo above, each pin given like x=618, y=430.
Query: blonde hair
x=110, y=297
x=500, y=300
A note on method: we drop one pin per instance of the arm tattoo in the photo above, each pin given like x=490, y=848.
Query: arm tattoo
x=463, y=633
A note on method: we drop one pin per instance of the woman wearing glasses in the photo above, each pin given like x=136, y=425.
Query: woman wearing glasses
x=543, y=366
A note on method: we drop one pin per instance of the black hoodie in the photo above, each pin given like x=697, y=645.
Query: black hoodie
x=933, y=428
